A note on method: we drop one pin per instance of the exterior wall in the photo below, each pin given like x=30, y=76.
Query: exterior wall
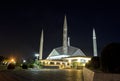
x=51, y=63
x=89, y=75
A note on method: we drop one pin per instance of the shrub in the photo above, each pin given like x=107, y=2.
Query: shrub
x=31, y=66
x=11, y=66
x=24, y=66
x=110, y=60
x=94, y=63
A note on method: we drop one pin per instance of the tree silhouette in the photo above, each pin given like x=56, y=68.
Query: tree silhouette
x=110, y=60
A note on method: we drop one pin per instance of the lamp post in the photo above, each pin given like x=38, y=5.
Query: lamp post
x=37, y=56
x=24, y=61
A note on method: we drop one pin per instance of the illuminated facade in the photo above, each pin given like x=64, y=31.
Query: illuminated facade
x=67, y=62
x=76, y=61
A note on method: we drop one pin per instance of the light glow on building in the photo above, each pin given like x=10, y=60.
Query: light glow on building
x=67, y=62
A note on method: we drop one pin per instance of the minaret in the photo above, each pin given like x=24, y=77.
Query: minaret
x=94, y=43
x=41, y=46
x=68, y=41
x=65, y=50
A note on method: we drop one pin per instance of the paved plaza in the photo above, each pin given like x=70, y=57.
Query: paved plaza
x=41, y=75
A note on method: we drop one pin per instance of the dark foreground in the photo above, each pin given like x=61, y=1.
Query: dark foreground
x=41, y=75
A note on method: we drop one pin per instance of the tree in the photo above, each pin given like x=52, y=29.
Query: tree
x=94, y=63
x=110, y=60
x=11, y=66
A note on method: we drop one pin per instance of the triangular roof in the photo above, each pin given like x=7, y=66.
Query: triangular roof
x=72, y=51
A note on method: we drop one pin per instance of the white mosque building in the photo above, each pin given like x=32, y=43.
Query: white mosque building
x=66, y=50
x=66, y=55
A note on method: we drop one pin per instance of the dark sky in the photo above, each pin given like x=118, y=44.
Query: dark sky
x=21, y=24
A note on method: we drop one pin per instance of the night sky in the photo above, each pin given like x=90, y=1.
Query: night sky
x=21, y=24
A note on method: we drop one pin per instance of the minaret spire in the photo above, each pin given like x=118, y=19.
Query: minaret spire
x=68, y=41
x=65, y=36
x=41, y=46
x=94, y=43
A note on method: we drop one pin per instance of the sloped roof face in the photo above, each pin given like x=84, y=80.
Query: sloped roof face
x=54, y=53
x=72, y=51
x=78, y=52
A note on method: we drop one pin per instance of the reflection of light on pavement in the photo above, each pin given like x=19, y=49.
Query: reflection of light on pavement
x=42, y=75
x=69, y=70
x=34, y=69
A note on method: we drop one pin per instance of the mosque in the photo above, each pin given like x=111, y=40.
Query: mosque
x=66, y=56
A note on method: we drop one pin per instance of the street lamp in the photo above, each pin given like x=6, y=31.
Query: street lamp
x=37, y=55
x=12, y=61
x=24, y=61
